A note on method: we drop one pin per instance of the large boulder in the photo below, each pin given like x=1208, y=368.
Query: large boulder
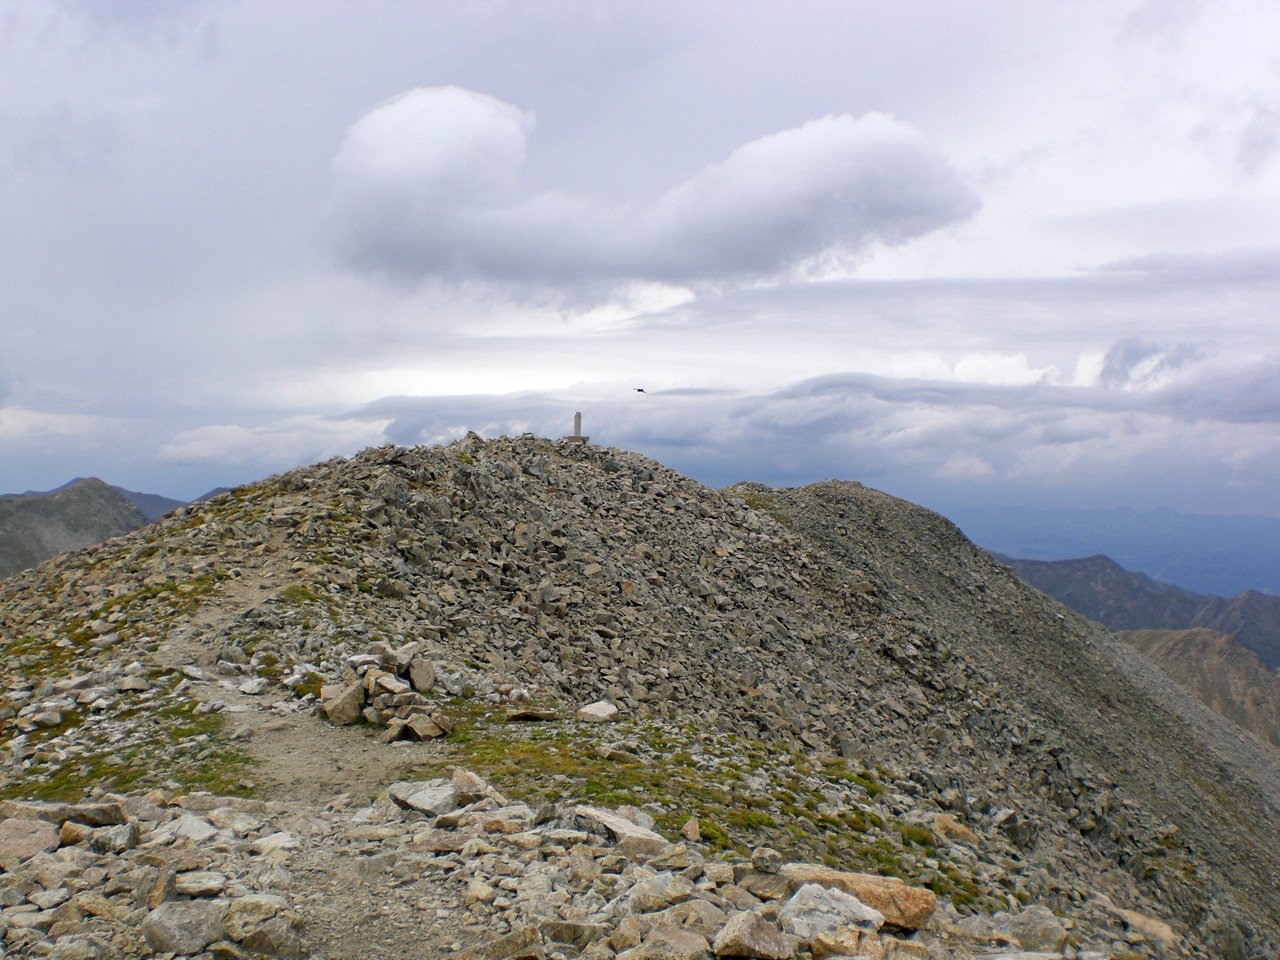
x=432, y=797
x=813, y=909
x=749, y=934
x=22, y=839
x=184, y=926
x=902, y=906
x=633, y=839
x=343, y=704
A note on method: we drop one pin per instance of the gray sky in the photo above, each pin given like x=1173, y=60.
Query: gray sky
x=1010, y=251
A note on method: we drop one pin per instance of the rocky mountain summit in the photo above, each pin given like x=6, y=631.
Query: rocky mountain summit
x=525, y=698
x=35, y=527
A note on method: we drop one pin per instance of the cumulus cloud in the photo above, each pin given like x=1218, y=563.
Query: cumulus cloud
x=428, y=185
x=1133, y=363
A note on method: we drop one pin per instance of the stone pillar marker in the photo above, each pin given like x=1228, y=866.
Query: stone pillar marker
x=577, y=430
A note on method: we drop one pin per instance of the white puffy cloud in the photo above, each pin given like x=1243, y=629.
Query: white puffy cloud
x=427, y=185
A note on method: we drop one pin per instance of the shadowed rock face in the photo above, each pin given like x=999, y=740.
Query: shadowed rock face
x=1251, y=618
x=799, y=627
x=1221, y=673
x=1102, y=590
x=33, y=529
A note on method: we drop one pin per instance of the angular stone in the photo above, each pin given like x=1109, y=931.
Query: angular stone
x=601, y=711
x=575, y=932
x=902, y=906
x=275, y=938
x=660, y=892
x=117, y=839
x=422, y=674
x=184, y=926
x=424, y=727
x=195, y=829
x=1151, y=929
x=395, y=730
x=691, y=830
x=521, y=943
x=948, y=826
x=1036, y=928
x=676, y=857
x=718, y=873
x=631, y=839
x=199, y=883
x=237, y=821
x=814, y=909
x=159, y=890
x=20, y=840
x=697, y=916
x=530, y=714
x=103, y=814
x=666, y=942
x=387, y=683
x=766, y=860
x=432, y=797
x=472, y=787
x=847, y=942
x=751, y=935
x=49, y=899
x=75, y=948
x=274, y=845
x=72, y=833
x=249, y=912
x=766, y=886
x=343, y=704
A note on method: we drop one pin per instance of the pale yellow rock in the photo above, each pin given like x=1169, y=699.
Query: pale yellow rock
x=907, y=907
x=848, y=942
x=1151, y=929
x=949, y=827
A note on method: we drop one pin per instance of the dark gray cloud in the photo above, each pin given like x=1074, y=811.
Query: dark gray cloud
x=427, y=184
x=1259, y=138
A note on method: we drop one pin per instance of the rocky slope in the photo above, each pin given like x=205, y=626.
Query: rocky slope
x=1102, y=590
x=34, y=528
x=828, y=671
x=1218, y=671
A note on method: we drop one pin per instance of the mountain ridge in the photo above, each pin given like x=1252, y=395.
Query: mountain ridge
x=1222, y=673
x=1120, y=599
x=1205, y=553
x=833, y=623
x=34, y=528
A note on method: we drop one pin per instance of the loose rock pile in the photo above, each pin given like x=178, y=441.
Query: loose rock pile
x=216, y=877
x=143, y=874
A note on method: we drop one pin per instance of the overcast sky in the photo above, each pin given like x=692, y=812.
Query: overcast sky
x=1019, y=252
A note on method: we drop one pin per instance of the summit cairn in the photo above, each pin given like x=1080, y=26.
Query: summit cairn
x=576, y=436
